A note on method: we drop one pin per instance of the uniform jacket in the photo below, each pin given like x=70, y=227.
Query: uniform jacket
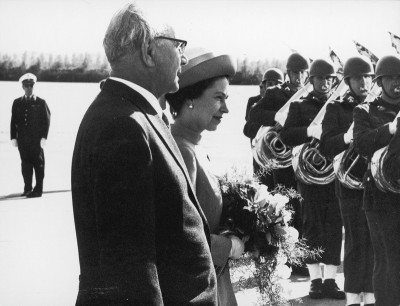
x=250, y=103
x=300, y=116
x=263, y=112
x=371, y=133
x=250, y=128
x=30, y=120
x=337, y=120
x=142, y=236
x=208, y=192
x=294, y=132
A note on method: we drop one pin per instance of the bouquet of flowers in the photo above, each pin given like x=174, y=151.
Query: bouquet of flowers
x=261, y=218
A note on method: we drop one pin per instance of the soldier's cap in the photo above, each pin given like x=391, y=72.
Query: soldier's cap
x=28, y=78
x=204, y=64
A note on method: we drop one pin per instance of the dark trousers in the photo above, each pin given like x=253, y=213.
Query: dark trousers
x=32, y=158
x=286, y=177
x=385, y=234
x=322, y=223
x=358, y=254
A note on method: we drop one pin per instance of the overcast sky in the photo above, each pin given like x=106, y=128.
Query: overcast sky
x=257, y=29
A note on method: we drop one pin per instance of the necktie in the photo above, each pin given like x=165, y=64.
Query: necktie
x=165, y=119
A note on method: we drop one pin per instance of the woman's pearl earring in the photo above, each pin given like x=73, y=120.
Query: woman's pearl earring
x=190, y=105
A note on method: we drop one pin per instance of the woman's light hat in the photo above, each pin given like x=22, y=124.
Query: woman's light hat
x=203, y=64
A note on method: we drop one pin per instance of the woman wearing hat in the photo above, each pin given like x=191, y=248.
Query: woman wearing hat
x=198, y=105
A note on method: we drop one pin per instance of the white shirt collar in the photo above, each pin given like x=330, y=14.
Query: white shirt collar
x=33, y=97
x=144, y=92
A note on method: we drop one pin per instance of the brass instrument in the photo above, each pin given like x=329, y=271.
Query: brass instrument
x=309, y=165
x=379, y=168
x=349, y=166
x=268, y=149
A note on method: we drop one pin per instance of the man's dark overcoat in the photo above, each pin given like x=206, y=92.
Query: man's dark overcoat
x=142, y=237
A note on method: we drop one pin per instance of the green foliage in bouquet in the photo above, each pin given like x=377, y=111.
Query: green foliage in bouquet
x=261, y=218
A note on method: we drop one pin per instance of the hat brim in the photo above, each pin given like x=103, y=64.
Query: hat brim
x=206, y=66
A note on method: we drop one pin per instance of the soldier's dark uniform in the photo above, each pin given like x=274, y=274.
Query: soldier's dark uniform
x=371, y=132
x=30, y=122
x=263, y=113
x=251, y=127
x=322, y=225
x=358, y=254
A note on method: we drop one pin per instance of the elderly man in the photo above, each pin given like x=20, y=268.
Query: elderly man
x=142, y=236
x=30, y=122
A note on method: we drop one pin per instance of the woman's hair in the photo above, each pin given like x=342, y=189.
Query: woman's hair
x=177, y=99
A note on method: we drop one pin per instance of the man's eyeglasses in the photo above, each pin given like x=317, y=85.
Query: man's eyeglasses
x=27, y=85
x=179, y=43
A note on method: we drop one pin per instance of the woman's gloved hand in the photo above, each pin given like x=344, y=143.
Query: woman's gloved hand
x=237, y=249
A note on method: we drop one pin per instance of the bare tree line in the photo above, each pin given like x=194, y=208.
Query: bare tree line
x=88, y=67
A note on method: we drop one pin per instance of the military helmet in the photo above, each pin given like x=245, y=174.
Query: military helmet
x=273, y=74
x=356, y=66
x=322, y=67
x=388, y=65
x=297, y=62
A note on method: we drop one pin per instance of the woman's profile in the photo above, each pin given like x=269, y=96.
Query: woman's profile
x=199, y=105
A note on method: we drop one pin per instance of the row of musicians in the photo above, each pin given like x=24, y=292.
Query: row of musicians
x=371, y=218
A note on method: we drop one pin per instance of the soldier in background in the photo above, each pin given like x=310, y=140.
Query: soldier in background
x=271, y=78
x=375, y=128
x=336, y=137
x=322, y=224
x=263, y=113
x=30, y=122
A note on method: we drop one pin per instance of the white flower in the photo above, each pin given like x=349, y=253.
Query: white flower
x=279, y=201
x=292, y=233
x=281, y=258
x=287, y=216
x=283, y=271
x=262, y=196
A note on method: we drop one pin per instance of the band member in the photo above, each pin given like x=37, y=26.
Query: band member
x=30, y=122
x=263, y=113
x=374, y=129
x=322, y=225
x=336, y=137
x=272, y=77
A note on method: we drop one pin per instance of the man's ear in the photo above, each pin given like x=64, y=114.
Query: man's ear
x=148, y=51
